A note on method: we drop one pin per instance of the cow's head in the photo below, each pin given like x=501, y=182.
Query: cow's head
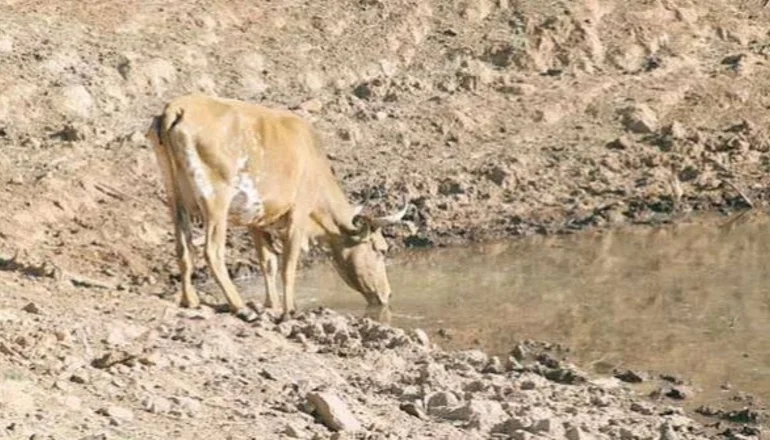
x=359, y=255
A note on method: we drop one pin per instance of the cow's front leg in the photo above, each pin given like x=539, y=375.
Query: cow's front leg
x=268, y=264
x=292, y=250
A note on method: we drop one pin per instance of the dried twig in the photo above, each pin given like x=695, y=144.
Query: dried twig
x=740, y=192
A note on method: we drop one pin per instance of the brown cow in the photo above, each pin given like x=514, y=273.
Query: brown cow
x=227, y=160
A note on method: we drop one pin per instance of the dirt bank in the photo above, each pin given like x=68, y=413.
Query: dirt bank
x=494, y=118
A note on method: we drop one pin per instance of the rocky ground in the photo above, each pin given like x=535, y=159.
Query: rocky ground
x=137, y=367
x=495, y=118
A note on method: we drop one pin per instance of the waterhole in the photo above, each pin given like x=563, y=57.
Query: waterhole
x=691, y=300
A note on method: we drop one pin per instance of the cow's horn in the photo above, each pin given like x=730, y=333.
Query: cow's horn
x=379, y=222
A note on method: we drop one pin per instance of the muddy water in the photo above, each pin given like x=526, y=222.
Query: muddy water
x=691, y=300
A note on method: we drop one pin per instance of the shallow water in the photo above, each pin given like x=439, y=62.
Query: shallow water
x=691, y=300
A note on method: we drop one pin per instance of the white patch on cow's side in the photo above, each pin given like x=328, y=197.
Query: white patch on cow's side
x=201, y=183
x=246, y=205
x=241, y=166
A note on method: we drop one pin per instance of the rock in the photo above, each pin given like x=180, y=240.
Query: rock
x=333, y=412
x=480, y=414
x=520, y=352
x=151, y=359
x=71, y=133
x=111, y=358
x=314, y=105
x=363, y=91
x=440, y=400
x=629, y=376
x=116, y=413
x=676, y=130
x=512, y=425
x=621, y=143
x=421, y=337
x=6, y=45
x=188, y=405
x=413, y=410
x=549, y=115
x=79, y=379
x=667, y=432
x=294, y=431
x=641, y=408
x=31, y=308
x=161, y=75
x=75, y=101
x=494, y=366
x=576, y=433
x=639, y=118
x=156, y=405
x=522, y=435
x=677, y=393
x=548, y=425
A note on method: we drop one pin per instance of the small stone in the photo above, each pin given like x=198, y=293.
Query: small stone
x=481, y=414
x=441, y=399
x=156, y=405
x=314, y=105
x=31, y=308
x=294, y=431
x=333, y=411
x=576, y=433
x=520, y=352
x=527, y=385
x=71, y=133
x=494, y=366
x=117, y=413
x=363, y=91
x=522, y=435
x=641, y=408
x=512, y=425
x=75, y=101
x=421, y=337
x=413, y=410
x=79, y=379
x=676, y=130
x=667, y=432
x=150, y=359
x=629, y=376
x=621, y=143
x=640, y=119
x=677, y=393
x=6, y=45
x=189, y=406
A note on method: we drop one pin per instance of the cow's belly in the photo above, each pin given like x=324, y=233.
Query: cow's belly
x=247, y=205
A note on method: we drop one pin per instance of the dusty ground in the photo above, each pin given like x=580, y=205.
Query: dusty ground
x=495, y=118
x=141, y=368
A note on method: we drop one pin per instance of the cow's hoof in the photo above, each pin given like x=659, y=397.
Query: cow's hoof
x=190, y=304
x=245, y=314
x=286, y=316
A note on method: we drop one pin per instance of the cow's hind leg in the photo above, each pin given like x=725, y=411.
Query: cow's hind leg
x=216, y=209
x=183, y=234
x=268, y=264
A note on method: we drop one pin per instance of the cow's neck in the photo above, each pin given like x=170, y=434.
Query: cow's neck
x=334, y=214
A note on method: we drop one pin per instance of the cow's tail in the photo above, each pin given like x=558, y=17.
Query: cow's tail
x=169, y=163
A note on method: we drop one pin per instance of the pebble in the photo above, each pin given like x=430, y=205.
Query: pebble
x=333, y=411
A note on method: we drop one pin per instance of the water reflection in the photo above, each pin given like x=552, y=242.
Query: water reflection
x=691, y=299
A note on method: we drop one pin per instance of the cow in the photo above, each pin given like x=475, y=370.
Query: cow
x=224, y=161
